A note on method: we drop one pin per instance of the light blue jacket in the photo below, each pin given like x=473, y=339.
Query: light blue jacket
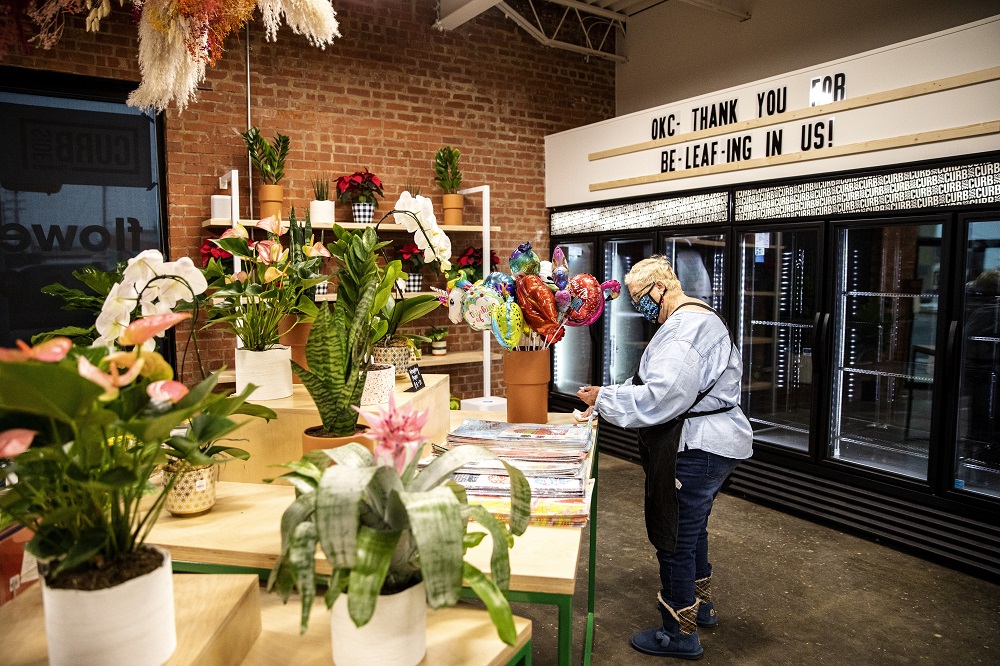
x=689, y=350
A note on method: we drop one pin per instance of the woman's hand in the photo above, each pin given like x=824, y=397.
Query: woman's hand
x=588, y=394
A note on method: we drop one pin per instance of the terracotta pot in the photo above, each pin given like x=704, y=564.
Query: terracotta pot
x=313, y=440
x=270, y=198
x=527, y=374
x=294, y=335
x=130, y=623
x=194, y=492
x=453, y=205
x=396, y=635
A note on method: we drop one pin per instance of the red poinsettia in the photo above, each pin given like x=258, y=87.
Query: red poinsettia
x=359, y=187
x=210, y=250
x=412, y=255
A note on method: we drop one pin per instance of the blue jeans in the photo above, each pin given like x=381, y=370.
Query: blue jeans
x=701, y=475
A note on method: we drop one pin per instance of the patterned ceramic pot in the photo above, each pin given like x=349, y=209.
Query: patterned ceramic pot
x=194, y=492
x=398, y=353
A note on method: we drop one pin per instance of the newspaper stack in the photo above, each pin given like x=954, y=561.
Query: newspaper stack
x=552, y=458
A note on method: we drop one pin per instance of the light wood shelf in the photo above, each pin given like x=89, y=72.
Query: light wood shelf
x=406, y=294
x=223, y=223
x=454, y=358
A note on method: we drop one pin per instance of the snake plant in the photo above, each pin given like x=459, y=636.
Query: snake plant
x=385, y=531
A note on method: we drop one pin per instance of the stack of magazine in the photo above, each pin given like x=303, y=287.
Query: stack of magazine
x=553, y=458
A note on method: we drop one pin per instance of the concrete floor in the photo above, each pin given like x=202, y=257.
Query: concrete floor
x=787, y=592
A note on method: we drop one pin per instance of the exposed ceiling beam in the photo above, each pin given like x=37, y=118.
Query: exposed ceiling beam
x=718, y=7
x=591, y=9
x=453, y=13
x=539, y=34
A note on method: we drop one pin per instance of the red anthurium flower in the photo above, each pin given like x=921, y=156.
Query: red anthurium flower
x=49, y=351
x=146, y=328
x=15, y=441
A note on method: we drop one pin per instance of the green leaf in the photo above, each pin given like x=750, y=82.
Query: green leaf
x=374, y=554
x=49, y=389
x=118, y=477
x=520, y=500
x=496, y=602
x=437, y=526
x=337, y=512
x=301, y=510
x=472, y=539
x=351, y=455
x=302, y=556
x=500, y=559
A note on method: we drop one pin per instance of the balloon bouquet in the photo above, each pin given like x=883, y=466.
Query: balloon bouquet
x=529, y=308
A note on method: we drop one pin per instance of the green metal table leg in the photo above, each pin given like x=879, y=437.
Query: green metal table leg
x=564, y=602
x=588, y=644
x=523, y=656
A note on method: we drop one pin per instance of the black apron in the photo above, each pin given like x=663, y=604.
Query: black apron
x=658, y=453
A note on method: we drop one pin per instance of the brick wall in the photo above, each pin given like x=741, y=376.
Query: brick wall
x=385, y=96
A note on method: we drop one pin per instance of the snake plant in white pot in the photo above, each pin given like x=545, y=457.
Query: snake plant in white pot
x=395, y=539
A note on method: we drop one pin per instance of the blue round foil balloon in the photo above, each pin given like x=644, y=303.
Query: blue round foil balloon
x=503, y=284
x=524, y=261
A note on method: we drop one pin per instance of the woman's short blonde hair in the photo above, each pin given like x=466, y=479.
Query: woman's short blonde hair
x=648, y=271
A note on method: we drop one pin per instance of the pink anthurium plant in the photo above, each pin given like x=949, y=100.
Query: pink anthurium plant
x=84, y=429
x=274, y=281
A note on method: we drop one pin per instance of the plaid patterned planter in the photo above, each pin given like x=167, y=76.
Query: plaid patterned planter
x=414, y=283
x=364, y=213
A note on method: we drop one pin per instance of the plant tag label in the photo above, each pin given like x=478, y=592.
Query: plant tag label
x=200, y=484
x=415, y=378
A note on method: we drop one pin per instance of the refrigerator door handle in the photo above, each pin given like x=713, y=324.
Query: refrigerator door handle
x=949, y=350
x=822, y=328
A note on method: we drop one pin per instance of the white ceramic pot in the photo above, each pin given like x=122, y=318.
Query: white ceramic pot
x=439, y=347
x=131, y=623
x=321, y=212
x=270, y=371
x=395, y=636
x=379, y=384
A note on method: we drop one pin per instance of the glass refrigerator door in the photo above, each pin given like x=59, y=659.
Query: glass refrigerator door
x=699, y=262
x=885, y=315
x=978, y=464
x=778, y=304
x=573, y=361
x=625, y=331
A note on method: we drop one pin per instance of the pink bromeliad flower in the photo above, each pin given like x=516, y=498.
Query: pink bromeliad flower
x=397, y=433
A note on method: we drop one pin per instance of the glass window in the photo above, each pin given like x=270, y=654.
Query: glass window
x=978, y=451
x=79, y=185
x=573, y=360
x=626, y=332
x=700, y=264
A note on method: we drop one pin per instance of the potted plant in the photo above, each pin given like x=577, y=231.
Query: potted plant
x=412, y=259
x=340, y=343
x=393, y=347
x=321, y=208
x=361, y=190
x=269, y=160
x=85, y=429
x=449, y=178
x=395, y=539
x=251, y=303
x=439, y=346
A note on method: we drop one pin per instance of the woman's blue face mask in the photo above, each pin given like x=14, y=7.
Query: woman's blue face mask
x=646, y=306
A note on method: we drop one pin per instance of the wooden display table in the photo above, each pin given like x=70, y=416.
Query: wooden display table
x=218, y=619
x=280, y=440
x=241, y=534
x=457, y=636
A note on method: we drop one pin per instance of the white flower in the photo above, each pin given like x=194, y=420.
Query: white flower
x=171, y=291
x=140, y=270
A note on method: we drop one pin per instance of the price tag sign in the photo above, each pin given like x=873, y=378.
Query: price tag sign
x=415, y=377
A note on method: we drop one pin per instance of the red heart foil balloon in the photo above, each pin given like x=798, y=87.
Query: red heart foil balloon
x=538, y=304
x=586, y=300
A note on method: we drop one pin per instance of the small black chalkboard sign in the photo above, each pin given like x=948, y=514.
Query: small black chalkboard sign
x=418, y=380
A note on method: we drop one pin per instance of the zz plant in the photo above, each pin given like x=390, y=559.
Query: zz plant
x=268, y=158
x=446, y=172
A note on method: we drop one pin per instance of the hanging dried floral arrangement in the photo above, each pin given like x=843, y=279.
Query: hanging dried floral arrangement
x=178, y=39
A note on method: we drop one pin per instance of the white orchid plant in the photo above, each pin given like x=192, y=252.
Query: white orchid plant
x=416, y=213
